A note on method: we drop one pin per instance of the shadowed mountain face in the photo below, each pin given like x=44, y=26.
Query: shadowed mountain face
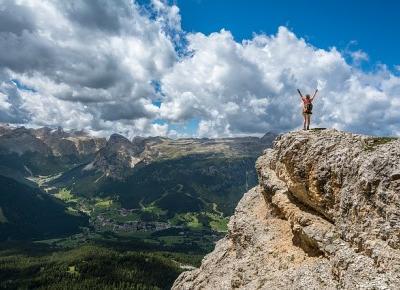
x=28, y=213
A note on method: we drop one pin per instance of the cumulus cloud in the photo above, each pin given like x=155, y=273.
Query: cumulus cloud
x=11, y=103
x=116, y=66
x=88, y=64
x=250, y=87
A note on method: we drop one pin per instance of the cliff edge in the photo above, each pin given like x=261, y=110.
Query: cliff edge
x=325, y=215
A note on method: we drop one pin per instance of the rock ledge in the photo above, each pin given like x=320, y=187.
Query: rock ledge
x=326, y=215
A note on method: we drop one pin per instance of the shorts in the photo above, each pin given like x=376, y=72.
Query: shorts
x=307, y=113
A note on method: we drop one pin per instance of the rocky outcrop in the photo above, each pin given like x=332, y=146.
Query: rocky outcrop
x=326, y=215
x=116, y=157
x=72, y=143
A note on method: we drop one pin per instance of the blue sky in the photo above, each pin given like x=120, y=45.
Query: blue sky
x=370, y=25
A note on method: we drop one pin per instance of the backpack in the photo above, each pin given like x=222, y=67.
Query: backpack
x=308, y=108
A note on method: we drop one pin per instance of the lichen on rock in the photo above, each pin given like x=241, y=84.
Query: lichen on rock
x=325, y=215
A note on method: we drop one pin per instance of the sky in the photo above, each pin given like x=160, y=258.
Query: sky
x=369, y=25
x=203, y=68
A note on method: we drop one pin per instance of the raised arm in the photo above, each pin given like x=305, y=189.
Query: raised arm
x=316, y=91
x=300, y=93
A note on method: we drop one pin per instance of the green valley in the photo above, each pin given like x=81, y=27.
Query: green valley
x=114, y=214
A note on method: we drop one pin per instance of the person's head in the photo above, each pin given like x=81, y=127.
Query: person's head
x=307, y=96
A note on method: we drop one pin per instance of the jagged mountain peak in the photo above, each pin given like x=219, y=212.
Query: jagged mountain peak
x=117, y=157
x=21, y=140
x=120, y=143
x=269, y=136
x=115, y=137
x=49, y=145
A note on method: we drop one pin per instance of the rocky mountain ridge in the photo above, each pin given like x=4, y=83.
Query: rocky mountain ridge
x=189, y=182
x=325, y=215
x=48, y=141
x=117, y=155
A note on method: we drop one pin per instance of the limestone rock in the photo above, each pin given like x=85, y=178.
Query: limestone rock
x=117, y=157
x=324, y=216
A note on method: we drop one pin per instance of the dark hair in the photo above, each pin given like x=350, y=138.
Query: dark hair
x=307, y=96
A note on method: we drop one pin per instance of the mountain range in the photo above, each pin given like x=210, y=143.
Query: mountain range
x=186, y=182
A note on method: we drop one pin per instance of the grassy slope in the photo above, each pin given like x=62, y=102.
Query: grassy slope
x=187, y=184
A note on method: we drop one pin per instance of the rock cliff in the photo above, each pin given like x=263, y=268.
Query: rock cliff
x=116, y=157
x=325, y=215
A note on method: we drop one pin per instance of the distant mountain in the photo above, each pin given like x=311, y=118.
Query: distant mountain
x=28, y=213
x=74, y=143
x=182, y=175
x=116, y=157
x=21, y=141
x=167, y=182
x=43, y=151
x=119, y=156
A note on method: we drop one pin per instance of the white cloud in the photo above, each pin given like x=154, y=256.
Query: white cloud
x=250, y=87
x=359, y=56
x=4, y=104
x=87, y=62
x=167, y=15
x=96, y=65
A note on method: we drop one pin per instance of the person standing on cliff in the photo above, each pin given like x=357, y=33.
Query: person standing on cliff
x=307, y=108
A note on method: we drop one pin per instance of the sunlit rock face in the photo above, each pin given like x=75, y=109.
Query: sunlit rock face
x=326, y=215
